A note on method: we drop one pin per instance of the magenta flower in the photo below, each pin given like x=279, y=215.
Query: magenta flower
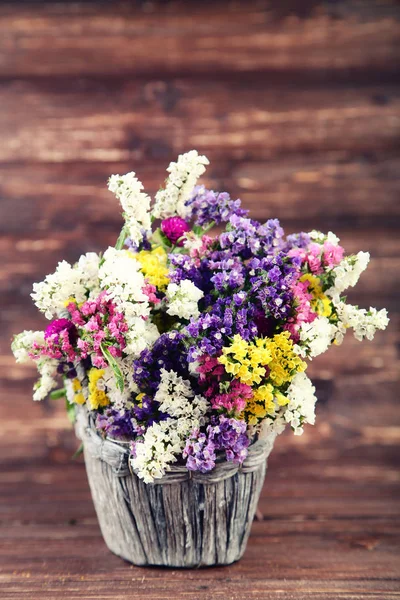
x=54, y=329
x=174, y=228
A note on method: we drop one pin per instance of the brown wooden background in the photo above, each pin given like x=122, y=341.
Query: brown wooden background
x=297, y=105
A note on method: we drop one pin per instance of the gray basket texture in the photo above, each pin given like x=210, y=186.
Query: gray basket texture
x=185, y=519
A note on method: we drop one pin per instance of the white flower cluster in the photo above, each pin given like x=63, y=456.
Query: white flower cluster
x=23, y=342
x=183, y=299
x=363, y=322
x=120, y=276
x=135, y=204
x=301, y=407
x=315, y=337
x=320, y=237
x=164, y=441
x=52, y=294
x=297, y=412
x=347, y=273
x=47, y=368
x=107, y=383
x=184, y=173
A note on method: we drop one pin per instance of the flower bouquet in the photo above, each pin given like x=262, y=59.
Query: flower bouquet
x=182, y=355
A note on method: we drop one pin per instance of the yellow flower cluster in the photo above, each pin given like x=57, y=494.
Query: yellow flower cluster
x=245, y=360
x=154, y=266
x=261, y=404
x=265, y=364
x=97, y=396
x=320, y=302
x=285, y=363
x=78, y=398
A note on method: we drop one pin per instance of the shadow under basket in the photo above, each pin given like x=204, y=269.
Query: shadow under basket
x=186, y=519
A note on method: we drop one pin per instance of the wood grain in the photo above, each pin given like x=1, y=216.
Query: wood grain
x=297, y=105
x=131, y=120
x=168, y=37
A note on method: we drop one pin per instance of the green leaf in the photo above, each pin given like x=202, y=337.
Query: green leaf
x=198, y=230
x=119, y=379
x=57, y=394
x=160, y=239
x=70, y=411
x=121, y=239
x=78, y=452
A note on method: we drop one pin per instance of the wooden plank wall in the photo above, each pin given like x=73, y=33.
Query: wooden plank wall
x=297, y=105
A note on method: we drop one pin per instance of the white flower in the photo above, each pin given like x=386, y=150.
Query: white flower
x=134, y=202
x=141, y=335
x=347, y=273
x=164, y=441
x=183, y=299
x=51, y=295
x=23, y=343
x=315, y=337
x=332, y=238
x=318, y=236
x=363, y=322
x=176, y=397
x=120, y=276
x=301, y=406
x=88, y=268
x=47, y=368
x=192, y=242
x=117, y=398
x=179, y=186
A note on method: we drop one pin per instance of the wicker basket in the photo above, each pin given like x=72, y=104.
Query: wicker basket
x=185, y=519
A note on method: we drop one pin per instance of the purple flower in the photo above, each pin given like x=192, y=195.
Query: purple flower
x=297, y=240
x=118, y=424
x=169, y=352
x=147, y=412
x=222, y=435
x=209, y=207
x=57, y=326
x=174, y=228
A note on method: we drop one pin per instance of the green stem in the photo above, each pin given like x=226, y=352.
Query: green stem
x=121, y=239
x=61, y=393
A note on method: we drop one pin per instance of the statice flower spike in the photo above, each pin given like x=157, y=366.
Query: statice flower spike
x=183, y=175
x=135, y=205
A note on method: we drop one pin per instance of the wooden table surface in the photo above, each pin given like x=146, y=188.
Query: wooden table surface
x=297, y=105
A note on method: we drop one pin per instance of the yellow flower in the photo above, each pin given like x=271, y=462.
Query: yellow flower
x=78, y=398
x=285, y=363
x=281, y=399
x=245, y=360
x=154, y=266
x=315, y=286
x=320, y=302
x=139, y=398
x=238, y=348
x=97, y=396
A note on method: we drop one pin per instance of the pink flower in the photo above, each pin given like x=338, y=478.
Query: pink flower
x=174, y=228
x=298, y=253
x=304, y=312
x=206, y=243
x=99, y=362
x=92, y=324
x=234, y=401
x=114, y=351
x=150, y=291
x=314, y=258
x=332, y=255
